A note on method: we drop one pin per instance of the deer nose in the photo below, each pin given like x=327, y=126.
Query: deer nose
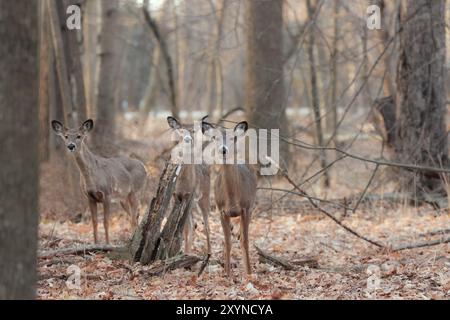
x=223, y=150
x=72, y=146
x=187, y=139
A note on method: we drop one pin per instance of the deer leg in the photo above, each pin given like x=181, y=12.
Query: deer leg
x=188, y=233
x=106, y=212
x=93, y=209
x=245, y=221
x=225, y=220
x=134, y=207
x=204, y=209
x=126, y=206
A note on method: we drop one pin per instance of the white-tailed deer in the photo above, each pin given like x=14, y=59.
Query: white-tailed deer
x=192, y=178
x=104, y=178
x=234, y=189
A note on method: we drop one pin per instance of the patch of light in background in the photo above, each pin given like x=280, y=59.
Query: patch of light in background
x=153, y=4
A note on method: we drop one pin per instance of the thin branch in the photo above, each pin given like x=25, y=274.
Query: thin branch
x=363, y=194
x=329, y=215
x=421, y=244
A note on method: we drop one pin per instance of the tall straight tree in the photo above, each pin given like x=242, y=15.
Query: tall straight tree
x=312, y=7
x=105, y=132
x=19, y=86
x=264, y=67
x=421, y=91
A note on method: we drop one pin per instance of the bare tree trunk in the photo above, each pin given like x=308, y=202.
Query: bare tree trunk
x=180, y=55
x=19, y=90
x=421, y=93
x=60, y=61
x=388, y=83
x=105, y=131
x=151, y=92
x=264, y=86
x=73, y=45
x=315, y=95
x=331, y=118
x=366, y=97
x=44, y=100
x=215, y=77
x=91, y=28
x=167, y=60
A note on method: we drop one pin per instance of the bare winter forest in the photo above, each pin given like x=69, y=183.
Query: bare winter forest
x=96, y=94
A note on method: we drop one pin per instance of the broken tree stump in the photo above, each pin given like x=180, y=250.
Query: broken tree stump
x=152, y=241
x=171, y=236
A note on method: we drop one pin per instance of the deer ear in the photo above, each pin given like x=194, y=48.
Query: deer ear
x=241, y=128
x=207, y=129
x=57, y=126
x=87, y=126
x=173, y=123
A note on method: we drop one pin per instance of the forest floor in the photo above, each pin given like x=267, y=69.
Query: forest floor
x=347, y=267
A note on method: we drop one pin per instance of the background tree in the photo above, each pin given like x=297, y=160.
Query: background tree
x=264, y=87
x=105, y=131
x=19, y=156
x=421, y=93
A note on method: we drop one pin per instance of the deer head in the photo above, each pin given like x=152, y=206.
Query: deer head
x=225, y=139
x=73, y=138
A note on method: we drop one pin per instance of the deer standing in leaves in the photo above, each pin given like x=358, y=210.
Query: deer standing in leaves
x=234, y=189
x=104, y=178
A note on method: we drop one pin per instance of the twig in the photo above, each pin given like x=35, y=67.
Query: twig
x=329, y=215
x=363, y=194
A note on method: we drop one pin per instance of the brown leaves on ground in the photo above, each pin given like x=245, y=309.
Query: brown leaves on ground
x=348, y=268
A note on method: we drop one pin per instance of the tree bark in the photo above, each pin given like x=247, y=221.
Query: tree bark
x=214, y=76
x=44, y=69
x=167, y=60
x=421, y=93
x=19, y=90
x=91, y=24
x=315, y=95
x=384, y=35
x=264, y=85
x=105, y=131
x=331, y=117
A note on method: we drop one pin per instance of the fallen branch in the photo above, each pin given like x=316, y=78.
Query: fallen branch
x=265, y=257
x=79, y=250
x=422, y=244
x=180, y=261
x=435, y=233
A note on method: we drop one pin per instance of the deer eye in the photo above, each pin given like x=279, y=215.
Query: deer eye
x=78, y=137
x=66, y=136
